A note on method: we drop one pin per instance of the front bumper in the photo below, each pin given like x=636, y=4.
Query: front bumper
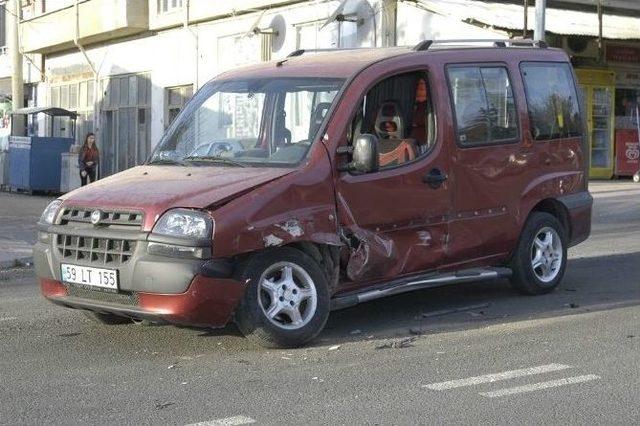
x=208, y=302
x=158, y=288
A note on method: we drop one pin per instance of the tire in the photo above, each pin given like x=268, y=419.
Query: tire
x=549, y=254
x=281, y=282
x=107, y=319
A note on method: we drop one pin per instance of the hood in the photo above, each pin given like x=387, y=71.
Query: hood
x=155, y=189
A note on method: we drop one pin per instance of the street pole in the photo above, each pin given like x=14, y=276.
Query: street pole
x=17, y=82
x=538, y=32
x=600, y=46
x=526, y=19
x=388, y=23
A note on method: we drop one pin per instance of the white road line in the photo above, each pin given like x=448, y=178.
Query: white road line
x=539, y=386
x=229, y=421
x=489, y=378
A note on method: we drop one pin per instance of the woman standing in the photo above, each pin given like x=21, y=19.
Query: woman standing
x=88, y=159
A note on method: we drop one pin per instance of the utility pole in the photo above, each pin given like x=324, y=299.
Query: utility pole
x=600, y=45
x=526, y=19
x=17, y=83
x=538, y=32
x=388, y=23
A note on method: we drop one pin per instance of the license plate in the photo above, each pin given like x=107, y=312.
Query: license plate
x=93, y=277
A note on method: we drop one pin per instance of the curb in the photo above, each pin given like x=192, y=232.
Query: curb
x=16, y=263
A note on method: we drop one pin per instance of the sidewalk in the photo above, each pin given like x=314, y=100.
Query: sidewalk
x=19, y=214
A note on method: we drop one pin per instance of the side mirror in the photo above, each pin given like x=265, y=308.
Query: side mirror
x=365, y=154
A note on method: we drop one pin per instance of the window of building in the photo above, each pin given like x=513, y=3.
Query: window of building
x=165, y=6
x=552, y=100
x=78, y=97
x=125, y=137
x=399, y=112
x=484, y=106
x=176, y=99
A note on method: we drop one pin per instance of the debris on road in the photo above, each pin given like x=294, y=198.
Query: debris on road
x=334, y=347
x=354, y=332
x=455, y=310
x=572, y=305
x=399, y=344
x=161, y=405
x=416, y=331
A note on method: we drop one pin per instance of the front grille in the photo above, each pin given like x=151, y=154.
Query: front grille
x=98, y=251
x=129, y=299
x=107, y=217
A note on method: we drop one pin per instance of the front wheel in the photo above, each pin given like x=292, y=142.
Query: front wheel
x=541, y=256
x=286, y=303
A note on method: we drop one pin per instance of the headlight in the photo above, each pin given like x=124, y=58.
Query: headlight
x=184, y=223
x=49, y=214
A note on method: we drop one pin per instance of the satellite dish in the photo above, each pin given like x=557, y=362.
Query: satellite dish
x=356, y=11
x=255, y=29
x=279, y=27
x=336, y=13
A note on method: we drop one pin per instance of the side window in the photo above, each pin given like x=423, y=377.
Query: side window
x=484, y=106
x=399, y=112
x=552, y=100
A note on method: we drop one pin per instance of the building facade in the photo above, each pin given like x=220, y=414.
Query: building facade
x=127, y=67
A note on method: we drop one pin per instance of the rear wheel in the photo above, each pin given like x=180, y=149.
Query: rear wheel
x=541, y=257
x=287, y=301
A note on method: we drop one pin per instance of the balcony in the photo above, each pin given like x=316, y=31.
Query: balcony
x=100, y=20
x=203, y=10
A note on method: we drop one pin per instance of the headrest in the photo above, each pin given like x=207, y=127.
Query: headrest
x=389, y=123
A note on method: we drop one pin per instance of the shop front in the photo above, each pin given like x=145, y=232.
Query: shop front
x=624, y=60
x=598, y=88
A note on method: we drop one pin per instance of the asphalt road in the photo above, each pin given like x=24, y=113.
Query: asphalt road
x=570, y=357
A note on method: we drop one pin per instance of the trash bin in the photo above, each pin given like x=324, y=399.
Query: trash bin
x=70, y=178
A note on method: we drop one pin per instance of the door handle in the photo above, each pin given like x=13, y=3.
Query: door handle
x=434, y=178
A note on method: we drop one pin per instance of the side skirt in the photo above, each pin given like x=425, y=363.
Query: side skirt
x=420, y=282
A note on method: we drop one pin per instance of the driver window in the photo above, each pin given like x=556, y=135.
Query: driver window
x=399, y=112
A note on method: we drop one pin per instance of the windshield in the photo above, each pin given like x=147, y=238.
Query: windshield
x=254, y=122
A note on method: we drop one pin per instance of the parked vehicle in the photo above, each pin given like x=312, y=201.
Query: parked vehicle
x=370, y=173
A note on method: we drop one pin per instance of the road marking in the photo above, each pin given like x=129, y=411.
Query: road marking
x=229, y=421
x=539, y=386
x=489, y=378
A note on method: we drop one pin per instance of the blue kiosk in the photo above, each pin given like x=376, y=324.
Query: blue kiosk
x=35, y=161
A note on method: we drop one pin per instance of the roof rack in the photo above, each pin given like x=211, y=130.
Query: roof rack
x=301, y=52
x=515, y=42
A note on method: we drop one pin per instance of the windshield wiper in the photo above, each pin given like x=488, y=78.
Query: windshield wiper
x=214, y=159
x=168, y=161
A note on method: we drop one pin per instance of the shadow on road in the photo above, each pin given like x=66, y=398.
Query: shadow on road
x=590, y=284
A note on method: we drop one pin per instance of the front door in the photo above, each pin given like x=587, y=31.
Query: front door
x=396, y=219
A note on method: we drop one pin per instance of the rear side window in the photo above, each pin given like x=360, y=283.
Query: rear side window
x=484, y=106
x=552, y=100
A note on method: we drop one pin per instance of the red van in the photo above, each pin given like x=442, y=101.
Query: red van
x=287, y=189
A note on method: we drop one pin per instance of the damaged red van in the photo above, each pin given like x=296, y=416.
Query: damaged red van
x=287, y=189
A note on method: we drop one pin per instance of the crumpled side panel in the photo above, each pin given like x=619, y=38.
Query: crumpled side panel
x=371, y=255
